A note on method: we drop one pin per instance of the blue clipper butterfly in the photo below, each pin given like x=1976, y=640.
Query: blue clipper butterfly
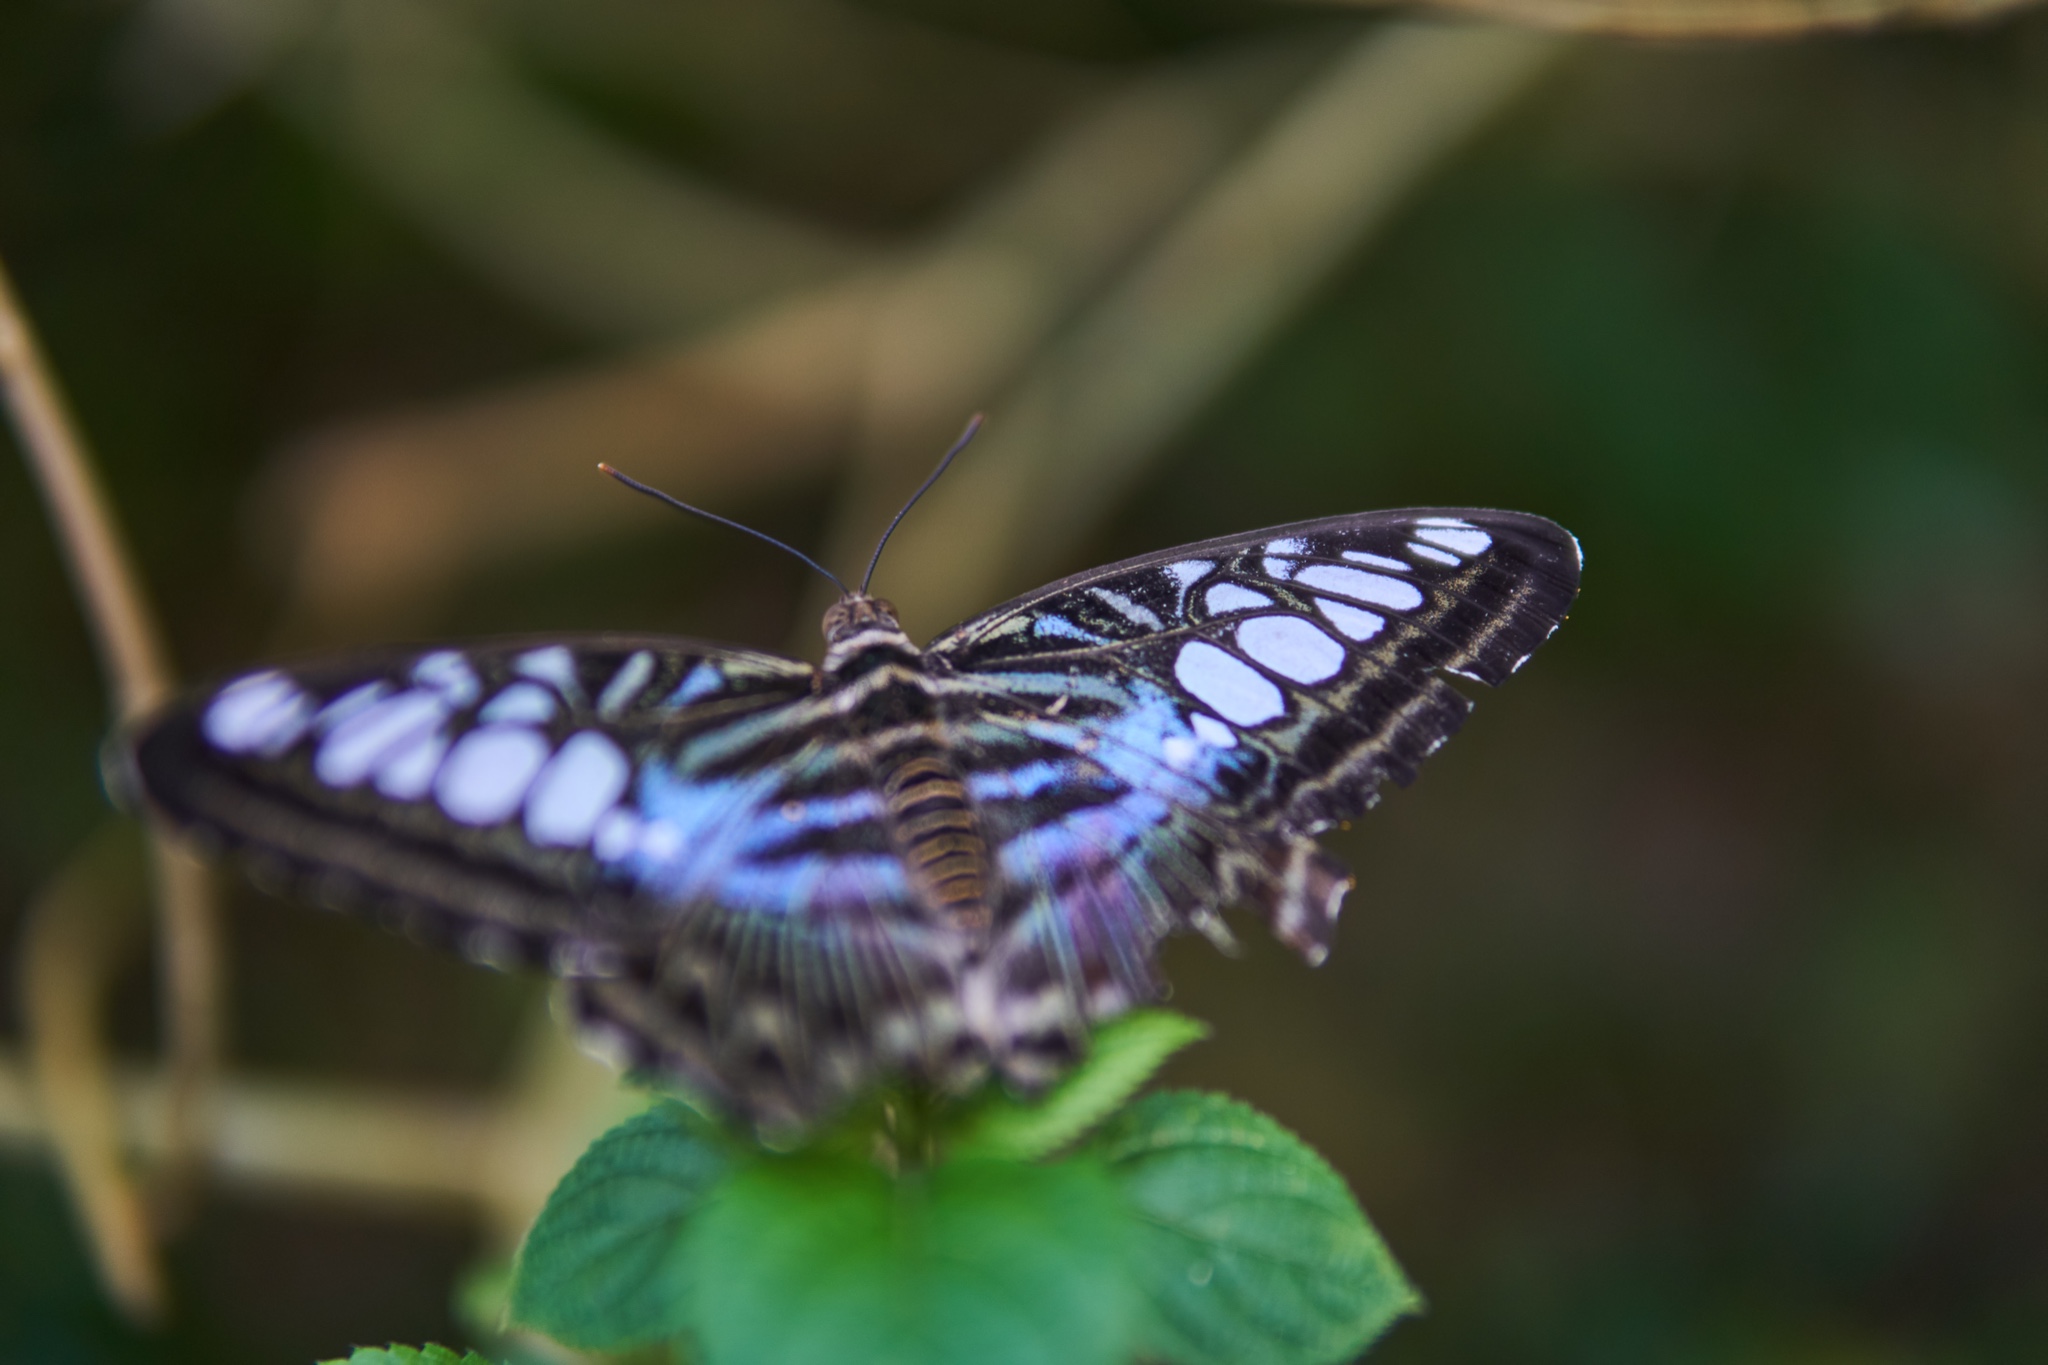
x=784, y=883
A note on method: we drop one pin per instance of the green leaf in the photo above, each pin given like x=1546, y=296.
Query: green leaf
x=1125, y=1054
x=827, y=1261
x=408, y=1355
x=1253, y=1248
x=605, y=1266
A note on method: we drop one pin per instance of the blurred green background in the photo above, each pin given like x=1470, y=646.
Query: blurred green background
x=1693, y=1006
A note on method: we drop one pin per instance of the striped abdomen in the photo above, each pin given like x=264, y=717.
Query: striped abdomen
x=938, y=836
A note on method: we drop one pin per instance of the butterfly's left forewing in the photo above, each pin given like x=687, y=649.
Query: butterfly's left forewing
x=476, y=794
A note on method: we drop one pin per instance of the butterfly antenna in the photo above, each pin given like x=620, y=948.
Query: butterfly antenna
x=973, y=425
x=681, y=506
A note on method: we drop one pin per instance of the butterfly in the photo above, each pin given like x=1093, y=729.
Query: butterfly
x=783, y=884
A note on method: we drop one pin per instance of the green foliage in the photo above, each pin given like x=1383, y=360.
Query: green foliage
x=605, y=1266
x=1125, y=1054
x=1252, y=1247
x=831, y=1262
x=1192, y=1230
x=408, y=1355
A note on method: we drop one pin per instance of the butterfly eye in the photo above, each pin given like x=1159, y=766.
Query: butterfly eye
x=886, y=610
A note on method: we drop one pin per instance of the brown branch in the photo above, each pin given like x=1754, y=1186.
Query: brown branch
x=189, y=966
x=80, y=929
x=138, y=678
x=495, y=1155
x=94, y=552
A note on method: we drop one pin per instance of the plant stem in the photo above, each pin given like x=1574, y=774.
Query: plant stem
x=94, y=552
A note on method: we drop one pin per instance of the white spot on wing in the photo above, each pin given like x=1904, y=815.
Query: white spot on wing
x=407, y=773
x=1353, y=621
x=1376, y=588
x=1055, y=625
x=1281, y=569
x=1455, y=523
x=348, y=703
x=1227, y=684
x=1464, y=539
x=1291, y=646
x=1136, y=613
x=1213, y=732
x=355, y=748
x=1185, y=573
x=580, y=783
x=447, y=672
x=699, y=683
x=1287, y=545
x=1377, y=561
x=523, y=702
x=263, y=712
x=1179, y=751
x=1421, y=551
x=487, y=773
x=553, y=665
x=618, y=833
x=626, y=684
x=1223, y=597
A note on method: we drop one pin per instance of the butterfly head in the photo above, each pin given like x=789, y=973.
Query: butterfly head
x=856, y=624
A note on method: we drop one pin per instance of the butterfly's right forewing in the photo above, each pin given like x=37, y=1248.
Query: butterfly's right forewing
x=1194, y=717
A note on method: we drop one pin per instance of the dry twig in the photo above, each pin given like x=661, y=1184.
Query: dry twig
x=78, y=933
x=138, y=677
x=493, y=1156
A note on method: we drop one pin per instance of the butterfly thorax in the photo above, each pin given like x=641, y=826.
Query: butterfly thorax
x=879, y=677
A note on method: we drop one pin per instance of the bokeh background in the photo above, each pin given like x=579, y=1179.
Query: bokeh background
x=1693, y=1006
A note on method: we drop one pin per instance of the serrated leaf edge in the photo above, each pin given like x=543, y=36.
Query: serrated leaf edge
x=1275, y=1137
